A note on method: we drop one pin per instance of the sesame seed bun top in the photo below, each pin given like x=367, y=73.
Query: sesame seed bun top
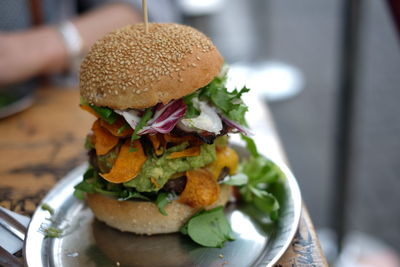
x=131, y=69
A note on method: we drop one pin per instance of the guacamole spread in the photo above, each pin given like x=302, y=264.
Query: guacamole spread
x=156, y=171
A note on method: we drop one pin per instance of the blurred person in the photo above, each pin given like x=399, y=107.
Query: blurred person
x=42, y=37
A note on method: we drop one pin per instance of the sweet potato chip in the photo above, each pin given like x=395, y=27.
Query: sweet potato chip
x=154, y=182
x=89, y=109
x=128, y=163
x=119, y=128
x=158, y=143
x=189, y=152
x=103, y=141
x=226, y=157
x=201, y=189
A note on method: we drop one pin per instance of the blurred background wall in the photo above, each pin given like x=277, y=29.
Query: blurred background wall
x=305, y=34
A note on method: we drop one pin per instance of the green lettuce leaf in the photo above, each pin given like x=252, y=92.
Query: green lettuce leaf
x=229, y=103
x=84, y=186
x=105, y=113
x=237, y=179
x=163, y=199
x=265, y=180
x=250, y=145
x=209, y=228
x=191, y=110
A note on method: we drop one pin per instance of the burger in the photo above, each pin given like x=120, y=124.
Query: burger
x=158, y=150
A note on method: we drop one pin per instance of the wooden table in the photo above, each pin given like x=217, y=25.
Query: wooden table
x=42, y=144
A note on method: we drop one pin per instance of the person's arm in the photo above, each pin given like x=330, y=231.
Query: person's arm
x=96, y=23
x=42, y=50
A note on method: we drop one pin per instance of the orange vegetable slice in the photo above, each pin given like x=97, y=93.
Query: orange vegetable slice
x=116, y=126
x=154, y=182
x=89, y=109
x=189, y=152
x=102, y=139
x=128, y=163
x=201, y=189
x=226, y=157
x=157, y=143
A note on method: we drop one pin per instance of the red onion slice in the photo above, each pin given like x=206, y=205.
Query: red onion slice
x=235, y=125
x=165, y=118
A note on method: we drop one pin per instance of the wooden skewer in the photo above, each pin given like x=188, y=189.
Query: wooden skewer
x=145, y=17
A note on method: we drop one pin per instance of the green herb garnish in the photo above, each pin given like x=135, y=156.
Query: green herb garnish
x=122, y=128
x=250, y=145
x=48, y=208
x=88, y=143
x=263, y=178
x=105, y=113
x=230, y=103
x=237, y=179
x=148, y=113
x=191, y=110
x=79, y=194
x=162, y=201
x=85, y=187
x=47, y=230
x=51, y=232
x=128, y=194
x=209, y=228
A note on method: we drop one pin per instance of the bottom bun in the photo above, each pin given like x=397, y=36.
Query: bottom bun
x=142, y=217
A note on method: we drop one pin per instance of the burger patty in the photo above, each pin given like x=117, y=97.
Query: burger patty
x=93, y=160
x=204, y=136
x=177, y=185
x=224, y=172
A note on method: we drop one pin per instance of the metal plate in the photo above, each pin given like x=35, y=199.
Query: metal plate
x=89, y=242
x=16, y=97
x=16, y=106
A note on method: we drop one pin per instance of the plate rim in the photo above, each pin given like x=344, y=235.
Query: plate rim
x=33, y=245
x=297, y=209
